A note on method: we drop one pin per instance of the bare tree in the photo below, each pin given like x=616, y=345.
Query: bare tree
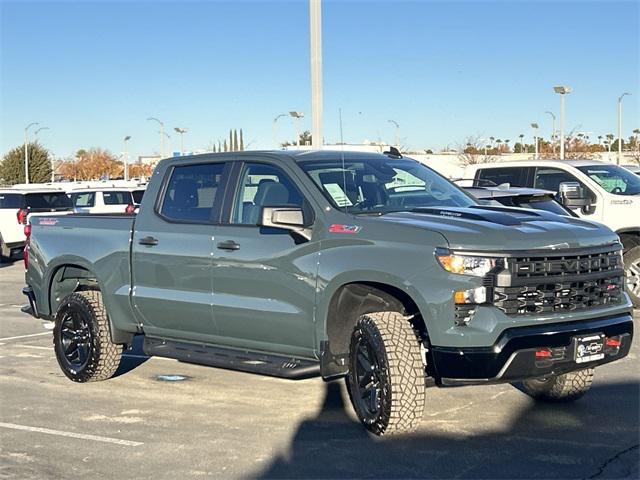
x=474, y=151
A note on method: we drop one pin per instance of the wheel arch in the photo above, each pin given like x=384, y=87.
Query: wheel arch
x=348, y=302
x=630, y=237
x=68, y=278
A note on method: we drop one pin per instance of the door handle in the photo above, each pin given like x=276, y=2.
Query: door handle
x=229, y=245
x=150, y=241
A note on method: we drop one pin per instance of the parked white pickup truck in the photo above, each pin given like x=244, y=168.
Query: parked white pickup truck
x=611, y=196
x=102, y=200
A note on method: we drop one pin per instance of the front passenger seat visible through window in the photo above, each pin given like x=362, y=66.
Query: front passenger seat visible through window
x=269, y=194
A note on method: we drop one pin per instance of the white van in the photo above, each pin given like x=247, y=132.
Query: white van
x=612, y=197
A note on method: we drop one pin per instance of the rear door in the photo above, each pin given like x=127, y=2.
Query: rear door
x=263, y=280
x=172, y=252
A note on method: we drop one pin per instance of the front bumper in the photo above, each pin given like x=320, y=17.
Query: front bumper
x=513, y=356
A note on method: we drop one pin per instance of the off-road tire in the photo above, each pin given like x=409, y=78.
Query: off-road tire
x=632, y=261
x=557, y=389
x=103, y=356
x=400, y=370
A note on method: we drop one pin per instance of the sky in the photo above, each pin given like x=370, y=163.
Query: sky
x=93, y=72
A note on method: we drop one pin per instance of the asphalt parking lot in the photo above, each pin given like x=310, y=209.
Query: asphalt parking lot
x=224, y=424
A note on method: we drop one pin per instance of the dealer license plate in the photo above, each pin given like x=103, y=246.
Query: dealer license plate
x=590, y=348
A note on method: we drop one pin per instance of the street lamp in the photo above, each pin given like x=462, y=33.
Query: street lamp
x=535, y=139
x=297, y=116
x=126, y=157
x=162, y=134
x=397, y=132
x=620, y=125
x=181, y=131
x=562, y=91
x=275, y=128
x=315, y=54
x=553, y=131
x=26, y=150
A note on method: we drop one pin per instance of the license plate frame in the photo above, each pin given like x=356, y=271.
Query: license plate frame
x=589, y=348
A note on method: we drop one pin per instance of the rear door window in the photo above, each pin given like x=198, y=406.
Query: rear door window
x=514, y=176
x=117, y=198
x=11, y=200
x=193, y=192
x=83, y=199
x=48, y=201
x=137, y=196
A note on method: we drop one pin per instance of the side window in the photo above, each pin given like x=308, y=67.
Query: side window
x=116, y=198
x=551, y=178
x=191, y=192
x=83, y=200
x=514, y=176
x=262, y=185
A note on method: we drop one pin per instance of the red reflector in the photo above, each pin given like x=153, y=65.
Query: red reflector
x=22, y=216
x=613, y=342
x=338, y=228
x=543, y=353
x=27, y=230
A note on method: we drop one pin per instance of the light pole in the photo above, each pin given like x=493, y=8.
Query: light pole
x=162, y=134
x=181, y=131
x=297, y=116
x=126, y=157
x=535, y=139
x=26, y=150
x=562, y=91
x=553, y=131
x=620, y=126
x=275, y=128
x=397, y=132
x=315, y=34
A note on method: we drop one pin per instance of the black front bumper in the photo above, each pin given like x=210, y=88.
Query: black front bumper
x=513, y=356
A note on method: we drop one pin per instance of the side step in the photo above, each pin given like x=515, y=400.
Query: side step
x=243, y=360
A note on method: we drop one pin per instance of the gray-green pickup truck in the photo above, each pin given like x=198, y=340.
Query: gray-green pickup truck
x=335, y=264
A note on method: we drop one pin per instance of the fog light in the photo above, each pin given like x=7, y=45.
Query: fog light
x=474, y=295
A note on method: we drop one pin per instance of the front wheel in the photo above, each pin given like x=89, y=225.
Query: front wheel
x=558, y=388
x=386, y=380
x=82, y=338
x=632, y=274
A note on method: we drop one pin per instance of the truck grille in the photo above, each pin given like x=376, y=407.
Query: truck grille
x=535, y=285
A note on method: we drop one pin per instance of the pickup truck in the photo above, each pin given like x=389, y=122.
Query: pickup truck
x=367, y=266
x=611, y=195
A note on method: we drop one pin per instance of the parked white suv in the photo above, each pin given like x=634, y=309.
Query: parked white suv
x=612, y=197
x=102, y=200
x=16, y=205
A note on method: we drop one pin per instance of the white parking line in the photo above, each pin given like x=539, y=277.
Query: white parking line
x=82, y=436
x=25, y=336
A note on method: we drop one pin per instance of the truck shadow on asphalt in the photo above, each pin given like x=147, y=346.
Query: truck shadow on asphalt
x=596, y=437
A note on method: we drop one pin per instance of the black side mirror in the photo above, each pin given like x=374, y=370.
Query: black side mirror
x=572, y=195
x=287, y=218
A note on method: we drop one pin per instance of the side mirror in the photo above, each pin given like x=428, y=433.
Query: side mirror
x=572, y=195
x=287, y=218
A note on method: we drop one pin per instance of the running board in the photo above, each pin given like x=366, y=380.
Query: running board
x=233, y=359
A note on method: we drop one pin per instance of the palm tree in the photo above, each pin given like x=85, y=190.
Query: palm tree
x=521, y=137
x=507, y=143
x=492, y=139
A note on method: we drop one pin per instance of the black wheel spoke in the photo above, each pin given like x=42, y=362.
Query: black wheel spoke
x=364, y=362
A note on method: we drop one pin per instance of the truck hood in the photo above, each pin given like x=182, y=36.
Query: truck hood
x=488, y=228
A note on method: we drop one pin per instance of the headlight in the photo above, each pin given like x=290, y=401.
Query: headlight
x=466, y=264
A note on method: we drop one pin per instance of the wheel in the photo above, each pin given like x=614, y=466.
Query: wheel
x=82, y=340
x=632, y=274
x=386, y=380
x=561, y=388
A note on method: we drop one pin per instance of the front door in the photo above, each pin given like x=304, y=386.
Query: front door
x=172, y=253
x=263, y=281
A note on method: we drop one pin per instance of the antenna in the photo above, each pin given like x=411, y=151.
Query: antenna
x=344, y=174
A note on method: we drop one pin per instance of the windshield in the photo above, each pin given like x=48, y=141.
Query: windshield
x=382, y=185
x=613, y=179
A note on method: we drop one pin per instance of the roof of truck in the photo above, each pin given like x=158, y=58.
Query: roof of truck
x=549, y=163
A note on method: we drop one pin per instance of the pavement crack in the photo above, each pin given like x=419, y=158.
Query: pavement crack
x=613, y=459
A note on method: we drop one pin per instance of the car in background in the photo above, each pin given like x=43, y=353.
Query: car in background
x=16, y=205
x=102, y=200
x=137, y=193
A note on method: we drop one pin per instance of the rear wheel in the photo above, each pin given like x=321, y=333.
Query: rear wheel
x=632, y=274
x=82, y=338
x=386, y=380
x=558, y=388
